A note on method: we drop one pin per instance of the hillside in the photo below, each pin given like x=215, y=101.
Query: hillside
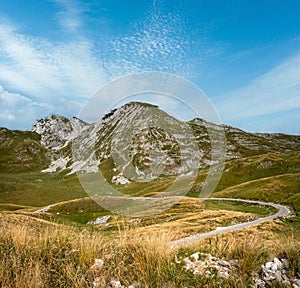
x=22, y=151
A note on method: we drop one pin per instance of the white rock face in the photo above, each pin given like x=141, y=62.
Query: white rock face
x=148, y=146
x=56, y=165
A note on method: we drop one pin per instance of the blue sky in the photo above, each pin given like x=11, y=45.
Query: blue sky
x=245, y=55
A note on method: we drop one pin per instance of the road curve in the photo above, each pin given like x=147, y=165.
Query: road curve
x=282, y=211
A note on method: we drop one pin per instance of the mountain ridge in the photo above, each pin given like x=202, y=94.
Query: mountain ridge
x=57, y=135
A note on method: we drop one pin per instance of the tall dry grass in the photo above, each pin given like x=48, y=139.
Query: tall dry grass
x=35, y=253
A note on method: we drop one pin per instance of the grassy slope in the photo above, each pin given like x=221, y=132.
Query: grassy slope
x=235, y=172
x=38, y=189
x=21, y=151
x=282, y=188
x=189, y=214
x=236, y=206
x=257, y=167
x=139, y=252
x=250, y=177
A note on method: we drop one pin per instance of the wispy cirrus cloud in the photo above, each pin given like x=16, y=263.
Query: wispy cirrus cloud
x=162, y=42
x=43, y=69
x=274, y=92
x=67, y=71
x=69, y=16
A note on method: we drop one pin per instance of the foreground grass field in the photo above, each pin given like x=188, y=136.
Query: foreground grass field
x=37, y=253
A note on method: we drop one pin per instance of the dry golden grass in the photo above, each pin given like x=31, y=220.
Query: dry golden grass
x=36, y=253
x=191, y=223
x=187, y=218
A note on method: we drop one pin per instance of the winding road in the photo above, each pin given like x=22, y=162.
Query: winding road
x=282, y=211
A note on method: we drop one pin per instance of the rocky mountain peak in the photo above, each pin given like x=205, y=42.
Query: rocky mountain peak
x=56, y=130
x=128, y=108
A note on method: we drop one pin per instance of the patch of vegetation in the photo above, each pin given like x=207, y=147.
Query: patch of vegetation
x=79, y=211
x=239, y=206
x=12, y=207
x=257, y=167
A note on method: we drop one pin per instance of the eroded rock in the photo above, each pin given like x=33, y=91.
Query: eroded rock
x=275, y=272
x=202, y=263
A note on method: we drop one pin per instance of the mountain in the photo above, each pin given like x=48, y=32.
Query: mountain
x=129, y=140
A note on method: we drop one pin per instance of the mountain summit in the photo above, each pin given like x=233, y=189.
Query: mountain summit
x=135, y=137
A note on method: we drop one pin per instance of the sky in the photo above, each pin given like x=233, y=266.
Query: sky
x=244, y=55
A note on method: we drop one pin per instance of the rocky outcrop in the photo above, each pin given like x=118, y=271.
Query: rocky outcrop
x=150, y=145
x=21, y=151
x=275, y=272
x=56, y=130
x=54, y=136
x=208, y=265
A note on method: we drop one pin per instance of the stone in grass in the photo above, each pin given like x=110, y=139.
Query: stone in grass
x=202, y=263
x=116, y=284
x=100, y=220
x=97, y=266
x=93, y=275
x=97, y=283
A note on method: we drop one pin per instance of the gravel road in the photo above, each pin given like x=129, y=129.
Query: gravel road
x=282, y=211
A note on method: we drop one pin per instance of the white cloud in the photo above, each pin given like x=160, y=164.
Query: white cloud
x=273, y=92
x=47, y=70
x=17, y=111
